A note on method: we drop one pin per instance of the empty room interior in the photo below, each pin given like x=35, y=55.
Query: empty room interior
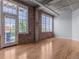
x=39, y=29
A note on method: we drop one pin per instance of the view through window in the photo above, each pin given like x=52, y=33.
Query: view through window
x=47, y=23
x=23, y=20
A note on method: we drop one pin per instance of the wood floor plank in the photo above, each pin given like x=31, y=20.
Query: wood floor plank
x=53, y=48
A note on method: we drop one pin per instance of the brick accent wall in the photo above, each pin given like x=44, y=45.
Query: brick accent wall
x=46, y=35
x=30, y=37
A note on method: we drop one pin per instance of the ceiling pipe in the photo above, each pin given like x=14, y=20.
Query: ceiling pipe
x=45, y=7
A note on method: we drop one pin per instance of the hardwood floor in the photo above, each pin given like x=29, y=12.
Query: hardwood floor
x=53, y=48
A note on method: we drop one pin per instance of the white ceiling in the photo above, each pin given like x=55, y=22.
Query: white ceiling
x=56, y=5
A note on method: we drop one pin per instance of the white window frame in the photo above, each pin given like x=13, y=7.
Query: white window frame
x=27, y=28
x=17, y=15
x=47, y=29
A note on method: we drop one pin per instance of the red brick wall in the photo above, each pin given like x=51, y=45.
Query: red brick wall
x=46, y=35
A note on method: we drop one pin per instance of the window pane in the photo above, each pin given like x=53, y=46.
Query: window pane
x=9, y=7
x=43, y=23
x=23, y=20
x=9, y=30
x=51, y=24
x=47, y=24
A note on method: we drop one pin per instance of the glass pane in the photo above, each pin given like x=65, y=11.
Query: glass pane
x=9, y=30
x=20, y=25
x=43, y=23
x=24, y=25
x=9, y=7
x=13, y=30
x=47, y=24
x=51, y=24
x=23, y=20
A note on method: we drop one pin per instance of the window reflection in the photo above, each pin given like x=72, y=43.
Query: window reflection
x=46, y=51
x=10, y=54
x=23, y=56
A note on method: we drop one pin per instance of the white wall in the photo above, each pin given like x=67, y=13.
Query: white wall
x=75, y=24
x=63, y=24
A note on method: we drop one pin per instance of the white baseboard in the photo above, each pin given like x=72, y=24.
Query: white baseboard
x=65, y=38
x=69, y=38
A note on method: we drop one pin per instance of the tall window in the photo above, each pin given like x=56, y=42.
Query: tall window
x=23, y=20
x=47, y=23
x=18, y=11
x=13, y=16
